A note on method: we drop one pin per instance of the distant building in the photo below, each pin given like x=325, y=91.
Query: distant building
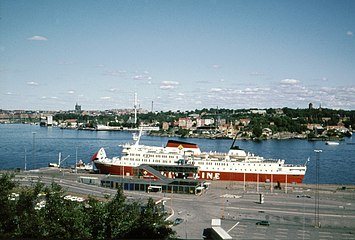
x=46, y=121
x=310, y=106
x=185, y=123
x=77, y=108
x=165, y=126
x=243, y=121
x=209, y=121
x=258, y=111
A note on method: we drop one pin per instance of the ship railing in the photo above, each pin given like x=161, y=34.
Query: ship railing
x=293, y=165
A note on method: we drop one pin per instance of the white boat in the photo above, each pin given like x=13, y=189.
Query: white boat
x=234, y=165
x=331, y=143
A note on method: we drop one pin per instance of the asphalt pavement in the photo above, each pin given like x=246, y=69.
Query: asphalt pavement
x=292, y=211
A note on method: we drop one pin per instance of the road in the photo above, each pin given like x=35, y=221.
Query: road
x=290, y=217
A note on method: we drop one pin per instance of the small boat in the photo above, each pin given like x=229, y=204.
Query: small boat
x=331, y=143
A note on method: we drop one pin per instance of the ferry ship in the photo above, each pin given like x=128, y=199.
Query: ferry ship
x=235, y=165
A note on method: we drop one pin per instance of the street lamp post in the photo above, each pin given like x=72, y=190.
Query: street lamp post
x=76, y=160
x=33, y=147
x=316, y=203
x=25, y=159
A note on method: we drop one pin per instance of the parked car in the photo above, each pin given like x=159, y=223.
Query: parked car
x=263, y=223
x=304, y=196
x=177, y=221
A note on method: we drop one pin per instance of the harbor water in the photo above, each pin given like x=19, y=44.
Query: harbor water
x=31, y=146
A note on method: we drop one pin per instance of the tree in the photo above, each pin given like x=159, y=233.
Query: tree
x=119, y=218
x=8, y=206
x=60, y=218
x=29, y=219
x=151, y=224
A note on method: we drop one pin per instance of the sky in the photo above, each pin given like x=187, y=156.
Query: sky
x=176, y=55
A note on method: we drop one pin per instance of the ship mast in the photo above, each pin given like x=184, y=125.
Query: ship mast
x=135, y=109
x=235, y=138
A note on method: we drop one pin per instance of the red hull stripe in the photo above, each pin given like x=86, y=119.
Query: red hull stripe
x=222, y=176
x=251, y=177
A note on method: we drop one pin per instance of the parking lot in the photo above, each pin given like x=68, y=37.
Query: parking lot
x=291, y=215
x=290, y=212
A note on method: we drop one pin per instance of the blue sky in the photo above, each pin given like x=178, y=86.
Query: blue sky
x=181, y=55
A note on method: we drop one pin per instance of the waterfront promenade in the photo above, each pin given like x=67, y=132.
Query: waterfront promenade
x=291, y=211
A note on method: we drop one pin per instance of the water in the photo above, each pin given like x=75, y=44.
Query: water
x=37, y=146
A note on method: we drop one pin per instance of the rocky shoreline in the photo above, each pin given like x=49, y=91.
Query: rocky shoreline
x=278, y=136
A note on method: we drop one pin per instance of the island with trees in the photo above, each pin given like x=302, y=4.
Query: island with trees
x=280, y=123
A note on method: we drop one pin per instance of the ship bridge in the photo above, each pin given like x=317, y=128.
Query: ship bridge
x=165, y=172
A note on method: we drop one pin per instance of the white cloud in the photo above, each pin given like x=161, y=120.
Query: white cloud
x=142, y=76
x=289, y=81
x=215, y=89
x=112, y=89
x=350, y=33
x=115, y=73
x=45, y=98
x=71, y=92
x=105, y=98
x=37, y=38
x=170, y=83
x=138, y=77
x=166, y=85
x=9, y=93
x=32, y=83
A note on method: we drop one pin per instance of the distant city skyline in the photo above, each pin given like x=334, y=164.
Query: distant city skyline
x=181, y=55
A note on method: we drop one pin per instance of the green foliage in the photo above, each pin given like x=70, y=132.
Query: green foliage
x=278, y=120
x=8, y=206
x=257, y=131
x=182, y=132
x=58, y=218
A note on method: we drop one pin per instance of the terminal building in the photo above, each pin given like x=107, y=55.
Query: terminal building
x=149, y=179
